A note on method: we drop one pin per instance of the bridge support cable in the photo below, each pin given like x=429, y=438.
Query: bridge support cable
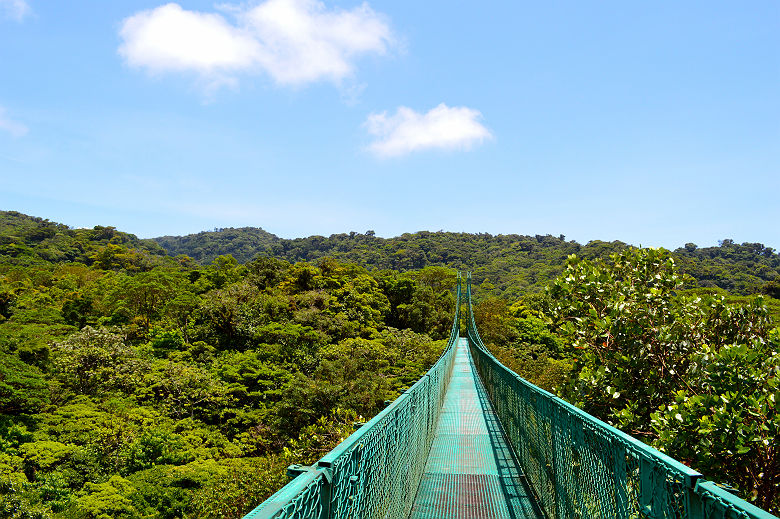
x=375, y=472
x=581, y=467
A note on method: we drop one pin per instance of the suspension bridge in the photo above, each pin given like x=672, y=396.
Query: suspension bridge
x=473, y=440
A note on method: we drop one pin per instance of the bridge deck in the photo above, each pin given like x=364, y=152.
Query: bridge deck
x=470, y=472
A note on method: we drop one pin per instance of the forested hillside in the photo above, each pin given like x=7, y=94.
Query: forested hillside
x=744, y=269
x=135, y=384
x=27, y=240
x=243, y=244
x=138, y=385
x=511, y=265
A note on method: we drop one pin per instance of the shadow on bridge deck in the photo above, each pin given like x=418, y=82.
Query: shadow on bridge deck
x=471, y=472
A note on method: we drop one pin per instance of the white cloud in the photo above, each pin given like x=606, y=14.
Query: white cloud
x=15, y=9
x=170, y=38
x=293, y=41
x=442, y=127
x=14, y=128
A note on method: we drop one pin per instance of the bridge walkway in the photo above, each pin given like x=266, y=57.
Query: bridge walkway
x=471, y=472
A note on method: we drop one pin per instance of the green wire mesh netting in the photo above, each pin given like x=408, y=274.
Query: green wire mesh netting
x=376, y=471
x=580, y=467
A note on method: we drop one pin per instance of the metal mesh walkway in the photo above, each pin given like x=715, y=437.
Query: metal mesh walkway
x=470, y=472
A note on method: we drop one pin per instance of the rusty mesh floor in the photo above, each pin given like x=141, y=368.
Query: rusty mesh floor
x=470, y=472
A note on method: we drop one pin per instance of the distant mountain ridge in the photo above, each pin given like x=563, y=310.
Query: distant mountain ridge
x=512, y=263
x=243, y=243
x=26, y=240
x=508, y=265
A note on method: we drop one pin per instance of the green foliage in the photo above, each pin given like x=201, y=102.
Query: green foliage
x=749, y=268
x=44, y=456
x=16, y=502
x=357, y=374
x=726, y=422
x=319, y=438
x=147, y=294
x=22, y=387
x=772, y=288
x=164, y=342
x=183, y=390
x=245, y=486
x=94, y=360
x=166, y=491
x=134, y=384
x=697, y=375
x=511, y=264
x=224, y=270
x=523, y=341
x=26, y=240
x=107, y=500
x=244, y=244
x=76, y=311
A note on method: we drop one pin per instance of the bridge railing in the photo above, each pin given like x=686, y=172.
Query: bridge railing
x=376, y=471
x=581, y=467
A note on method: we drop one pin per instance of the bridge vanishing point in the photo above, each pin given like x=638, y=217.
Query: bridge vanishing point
x=473, y=440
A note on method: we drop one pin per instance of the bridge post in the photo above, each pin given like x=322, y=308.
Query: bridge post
x=646, y=487
x=293, y=471
x=694, y=504
x=621, y=479
x=325, y=493
x=555, y=444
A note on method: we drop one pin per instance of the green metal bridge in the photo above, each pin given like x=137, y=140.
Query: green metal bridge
x=472, y=440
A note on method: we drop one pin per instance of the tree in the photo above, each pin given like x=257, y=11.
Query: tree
x=242, y=488
x=770, y=288
x=633, y=337
x=146, y=294
x=6, y=301
x=97, y=359
x=108, y=500
x=494, y=322
x=77, y=310
x=157, y=446
x=438, y=278
x=726, y=423
x=23, y=388
x=224, y=270
x=17, y=503
x=696, y=375
x=186, y=391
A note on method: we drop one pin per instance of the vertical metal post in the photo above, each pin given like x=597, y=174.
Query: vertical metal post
x=578, y=446
x=621, y=479
x=559, y=492
x=694, y=503
x=646, y=486
x=325, y=491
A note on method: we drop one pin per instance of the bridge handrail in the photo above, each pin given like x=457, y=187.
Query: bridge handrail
x=580, y=466
x=376, y=470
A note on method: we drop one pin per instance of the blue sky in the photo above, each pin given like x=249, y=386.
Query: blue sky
x=656, y=124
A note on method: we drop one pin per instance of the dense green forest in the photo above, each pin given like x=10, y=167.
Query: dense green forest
x=167, y=378
x=133, y=384
x=510, y=265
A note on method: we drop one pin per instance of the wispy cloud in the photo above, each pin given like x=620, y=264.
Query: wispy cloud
x=293, y=41
x=15, y=9
x=7, y=124
x=442, y=127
